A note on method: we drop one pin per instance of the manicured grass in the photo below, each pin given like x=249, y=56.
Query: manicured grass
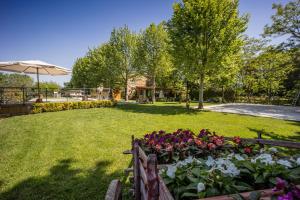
x=75, y=154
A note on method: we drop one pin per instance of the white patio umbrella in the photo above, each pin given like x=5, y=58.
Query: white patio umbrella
x=33, y=67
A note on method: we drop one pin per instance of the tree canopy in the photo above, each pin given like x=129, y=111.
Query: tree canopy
x=203, y=34
x=286, y=21
x=153, y=53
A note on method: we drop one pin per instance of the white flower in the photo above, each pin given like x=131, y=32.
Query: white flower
x=200, y=187
x=171, y=171
x=189, y=160
x=197, y=161
x=210, y=161
x=238, y=157
x=226, y=167
x=273, y=150
x=285, y=163
x=181, y=164
x=229, y=156
x=298, y=161
x=264, y=158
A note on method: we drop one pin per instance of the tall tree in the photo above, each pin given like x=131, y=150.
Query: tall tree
x=286, y=21
x=125, y=44
x=248, y=77
x=203, y=33
x=82, y=75
x=153, y=55
x=274, y=67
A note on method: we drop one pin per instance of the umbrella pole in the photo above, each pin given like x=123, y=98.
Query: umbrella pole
x=38, y=82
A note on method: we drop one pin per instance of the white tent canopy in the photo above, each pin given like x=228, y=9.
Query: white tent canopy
x=33, y=67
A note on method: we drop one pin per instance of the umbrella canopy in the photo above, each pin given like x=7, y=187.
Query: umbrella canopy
x=33, y=67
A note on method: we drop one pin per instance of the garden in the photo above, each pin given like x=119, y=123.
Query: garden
x=76, y=153
x=207, y=165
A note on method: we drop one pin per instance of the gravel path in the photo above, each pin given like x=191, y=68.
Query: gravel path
x=278, y=112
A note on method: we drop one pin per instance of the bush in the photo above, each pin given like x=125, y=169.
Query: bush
x=53, y=107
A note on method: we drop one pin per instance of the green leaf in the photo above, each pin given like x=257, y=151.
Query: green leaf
x=212, y=191
x=248, y=166
x=237, y=197
x=243, y=187
x=193, y=179
x=189, y=194
x=196, y=171
x=259, y=179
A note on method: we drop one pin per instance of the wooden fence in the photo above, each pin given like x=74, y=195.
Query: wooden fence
x=148, y=185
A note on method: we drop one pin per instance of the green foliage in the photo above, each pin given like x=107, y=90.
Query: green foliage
x=153, y=57
x=124, y=43
x=203, y=34
x=60, y=106
x=50, y=85
x=285, y=21
x=15, y=80
x=82, y=74
x=273, y=68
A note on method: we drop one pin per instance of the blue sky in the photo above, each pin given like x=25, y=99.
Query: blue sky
x=59, y=31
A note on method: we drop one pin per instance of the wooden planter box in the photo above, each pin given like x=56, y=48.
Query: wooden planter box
x=148, y=185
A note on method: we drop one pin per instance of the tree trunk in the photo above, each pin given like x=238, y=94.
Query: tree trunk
x=112, y=94
x=153, y=89
x=187, y=98
x=223, y=94
x=126, y=89
x=269, y=94
x=200, y=104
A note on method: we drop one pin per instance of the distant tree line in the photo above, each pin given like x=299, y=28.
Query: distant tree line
x=22, y=80
x=203, y=51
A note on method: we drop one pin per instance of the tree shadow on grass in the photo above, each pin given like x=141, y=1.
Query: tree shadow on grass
x=65, y=182
x=157, y=109
x=273, y=136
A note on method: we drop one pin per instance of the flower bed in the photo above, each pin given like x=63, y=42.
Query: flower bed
x=60, y=106
x=206, y=165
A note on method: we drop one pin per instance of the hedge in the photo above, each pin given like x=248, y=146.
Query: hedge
x=59, y=106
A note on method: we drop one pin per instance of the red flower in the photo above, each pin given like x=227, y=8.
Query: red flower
x=151, y=142
x=248, y=150
x=198, y=142
x=190, y=140
x=169, y=147
x=218, y=142
x=211, y=146
x=158, y=147
x=237, y=140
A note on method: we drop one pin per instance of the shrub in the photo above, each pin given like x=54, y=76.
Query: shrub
x=59, y=106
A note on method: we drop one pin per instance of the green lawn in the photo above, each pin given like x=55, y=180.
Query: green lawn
x=75, y=154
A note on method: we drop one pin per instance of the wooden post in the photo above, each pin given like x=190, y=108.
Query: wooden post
x=259, y=137
x=136, y=172
x=152, y=177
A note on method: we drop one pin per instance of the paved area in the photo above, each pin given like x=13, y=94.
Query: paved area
x=279, y=112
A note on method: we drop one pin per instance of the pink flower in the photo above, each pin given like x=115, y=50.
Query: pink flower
x=248, y=150
x=237, y=140
x=211, y=146
x=190, y=140
x=169, y=148
x=280, y=184
x=288, y=196
x=158, y=147
x=218, y=142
